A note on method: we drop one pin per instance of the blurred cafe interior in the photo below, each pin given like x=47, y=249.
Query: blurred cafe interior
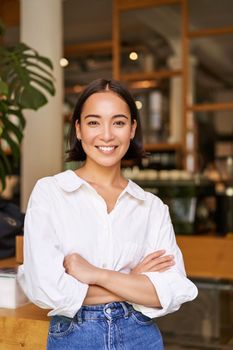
x=176, y=56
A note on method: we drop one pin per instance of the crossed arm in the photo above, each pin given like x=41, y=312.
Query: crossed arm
x=107, y=285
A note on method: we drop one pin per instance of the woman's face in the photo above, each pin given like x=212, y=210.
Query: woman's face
x=105, y=129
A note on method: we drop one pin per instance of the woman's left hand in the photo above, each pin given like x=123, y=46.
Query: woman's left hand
x=76, y=266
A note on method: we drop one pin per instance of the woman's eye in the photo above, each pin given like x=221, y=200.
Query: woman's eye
x=119, y=123
x=92, y=123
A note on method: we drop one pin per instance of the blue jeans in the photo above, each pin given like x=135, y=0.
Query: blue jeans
x=112, y=326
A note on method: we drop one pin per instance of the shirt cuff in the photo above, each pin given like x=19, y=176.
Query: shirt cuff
x=65, y=306
x=172, y=289
x=73, y=305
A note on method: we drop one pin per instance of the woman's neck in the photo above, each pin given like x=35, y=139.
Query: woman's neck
x=95, y=174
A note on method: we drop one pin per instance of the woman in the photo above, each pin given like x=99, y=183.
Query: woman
x=95, y=242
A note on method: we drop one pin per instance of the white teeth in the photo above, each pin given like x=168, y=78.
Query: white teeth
x=106, y=149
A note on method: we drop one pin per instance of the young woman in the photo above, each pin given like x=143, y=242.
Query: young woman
x=99, y=250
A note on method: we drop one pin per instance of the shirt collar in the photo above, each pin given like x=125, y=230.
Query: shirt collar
x=70, y=182
x=136, y=191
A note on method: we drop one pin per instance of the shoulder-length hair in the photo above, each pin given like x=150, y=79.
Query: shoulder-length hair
x=135, y=150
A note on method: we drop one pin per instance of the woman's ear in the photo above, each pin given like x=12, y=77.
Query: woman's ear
x=133, y=129
x=78, y=131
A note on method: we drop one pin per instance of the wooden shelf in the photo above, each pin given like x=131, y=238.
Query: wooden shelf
x=157, y=147
x=125, y=5
x=211, y=107
x=162, y=74
x=96, y=47
x=210, y=32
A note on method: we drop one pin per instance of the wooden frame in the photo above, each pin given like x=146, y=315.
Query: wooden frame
x=102, y=47
x=126, y=5
x=226, y=106
x=9, y=12
x=210, y=32
x=187, y=35
x=118, y=7
x=161, y=74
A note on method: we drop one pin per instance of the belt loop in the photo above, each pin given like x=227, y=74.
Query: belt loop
x=79, y=316
x=125, y=308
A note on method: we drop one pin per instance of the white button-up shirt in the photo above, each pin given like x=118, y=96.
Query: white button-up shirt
x=66, y=215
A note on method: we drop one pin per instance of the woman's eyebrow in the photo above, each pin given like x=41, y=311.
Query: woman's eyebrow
x=92, y=116
x=120, y=116
x=98, y=116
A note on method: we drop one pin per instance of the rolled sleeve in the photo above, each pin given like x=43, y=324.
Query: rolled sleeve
x=172, y=287
x=42, y=276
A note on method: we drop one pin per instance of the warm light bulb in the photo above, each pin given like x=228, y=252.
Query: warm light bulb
x=64, y=62
x=133, y=56
x=138, y=104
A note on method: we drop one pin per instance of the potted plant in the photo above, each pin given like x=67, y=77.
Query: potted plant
x=25, y=82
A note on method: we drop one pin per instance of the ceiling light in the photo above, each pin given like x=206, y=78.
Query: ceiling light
x=64, y=62
x=144, y=84
x=133, y=56
x=78, y=89
x=138, y=104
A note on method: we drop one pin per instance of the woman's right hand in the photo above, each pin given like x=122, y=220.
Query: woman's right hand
x=153, y=262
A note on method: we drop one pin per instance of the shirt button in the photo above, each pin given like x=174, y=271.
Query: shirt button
x=108, y=310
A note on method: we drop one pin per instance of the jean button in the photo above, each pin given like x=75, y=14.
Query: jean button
x=108, y=310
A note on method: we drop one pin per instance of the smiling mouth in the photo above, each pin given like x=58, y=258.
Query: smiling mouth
x=106, y=149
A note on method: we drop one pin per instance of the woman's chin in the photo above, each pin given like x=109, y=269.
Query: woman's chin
x=108, y=162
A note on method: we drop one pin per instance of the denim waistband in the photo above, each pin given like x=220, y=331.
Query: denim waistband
x=100, y=311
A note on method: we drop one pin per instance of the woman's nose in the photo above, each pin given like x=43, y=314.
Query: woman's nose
x=106, y=134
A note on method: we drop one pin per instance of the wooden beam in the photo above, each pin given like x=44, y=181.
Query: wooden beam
x=116, y=53
x=162, y=74
x=185, y=85
x=210, y=32
x=224, y=106
x=97, y=47
x=9, y=12
x=125, y=5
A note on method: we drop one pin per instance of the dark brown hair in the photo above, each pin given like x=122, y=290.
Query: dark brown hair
x=135, y=150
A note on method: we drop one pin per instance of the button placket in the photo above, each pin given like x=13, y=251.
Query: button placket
x=107, y=251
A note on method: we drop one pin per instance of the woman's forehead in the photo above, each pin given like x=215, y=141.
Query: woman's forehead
x=105, y=102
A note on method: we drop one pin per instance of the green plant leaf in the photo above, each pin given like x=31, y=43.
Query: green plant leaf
x=13, y=129
x=3, y=88
x=19, y=114
x=16, y=71
x=3, y=172
x=46, y=85
x=14, y=146
x=32, y=98
x=26, y=80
